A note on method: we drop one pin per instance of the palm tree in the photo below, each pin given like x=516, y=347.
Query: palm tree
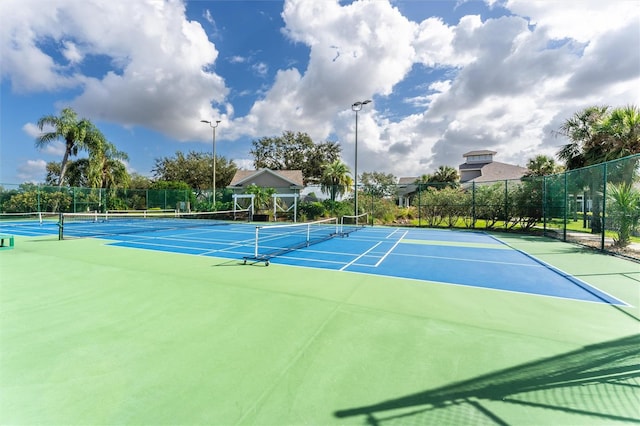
x=621, y=132
x=335, y=179
x=585, y=141
x=446, y=175
x=542, y=165
x=106, y=167
x=624, y=211
x=586, y=147
x=77, y=134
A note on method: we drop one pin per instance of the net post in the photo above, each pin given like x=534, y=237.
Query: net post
x=255, y=251
x=61, y=226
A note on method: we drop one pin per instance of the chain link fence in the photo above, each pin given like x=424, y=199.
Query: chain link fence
x=597, y=206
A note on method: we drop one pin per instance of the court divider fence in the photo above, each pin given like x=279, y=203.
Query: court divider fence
x=597, y=206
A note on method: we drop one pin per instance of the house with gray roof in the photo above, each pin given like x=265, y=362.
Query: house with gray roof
x=285, y=181
x=287, y=184
x=405, y=190
x=479, y=166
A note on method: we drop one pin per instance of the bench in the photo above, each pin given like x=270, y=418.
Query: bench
x=10, y=242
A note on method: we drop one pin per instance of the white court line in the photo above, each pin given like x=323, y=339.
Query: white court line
x=390, y=250
x=374, y=247
x=359, y=257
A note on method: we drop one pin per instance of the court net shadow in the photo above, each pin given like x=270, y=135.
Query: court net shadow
x=598, y=383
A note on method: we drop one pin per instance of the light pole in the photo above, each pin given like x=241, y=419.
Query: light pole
x=213, y=195
x=357, y=106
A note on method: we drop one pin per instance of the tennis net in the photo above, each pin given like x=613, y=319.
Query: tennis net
x=94, y=224
x=349, y=224
x=27, y=218
x=275, y=240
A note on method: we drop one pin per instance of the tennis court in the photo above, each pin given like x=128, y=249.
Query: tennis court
x=386, y=325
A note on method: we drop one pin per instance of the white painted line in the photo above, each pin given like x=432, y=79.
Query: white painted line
x=390, y=250
x=359, y=257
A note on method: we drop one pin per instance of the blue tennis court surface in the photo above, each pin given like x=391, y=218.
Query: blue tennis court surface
x=443, y=256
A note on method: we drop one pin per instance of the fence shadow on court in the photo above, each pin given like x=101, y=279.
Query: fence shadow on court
x=599, y=382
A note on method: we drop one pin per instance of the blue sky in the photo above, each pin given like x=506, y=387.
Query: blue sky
x=445, y=77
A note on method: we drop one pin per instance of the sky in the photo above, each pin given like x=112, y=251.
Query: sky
x=445, y=77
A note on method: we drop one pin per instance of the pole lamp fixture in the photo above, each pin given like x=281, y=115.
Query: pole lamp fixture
x=357, y=106
x=213, y=194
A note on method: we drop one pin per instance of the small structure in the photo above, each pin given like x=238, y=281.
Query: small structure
x=287, y=184
x=406, y=190
x=480, y=167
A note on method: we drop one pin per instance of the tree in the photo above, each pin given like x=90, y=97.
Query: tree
x=139, y=182
x=335, y=179
x=294, y=151
x=446, y=175
x=542, y=165
x=103, y=169
x=624, y=211
x=378, y=184
x=584, y=147
x=597, y=134
x=195, y=169
x=77, y=134
x=620, y=132
x=106, y=168
x=262, y=197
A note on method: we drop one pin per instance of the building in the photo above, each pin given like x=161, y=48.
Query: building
x=406, y=189
x=286, y=183
x=479, y=166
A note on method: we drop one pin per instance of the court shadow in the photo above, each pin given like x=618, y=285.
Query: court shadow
x=231, y=262
x=600, y=382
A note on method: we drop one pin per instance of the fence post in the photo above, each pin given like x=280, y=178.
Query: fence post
x=419, y=205
x=506, y=203
x=566, y=197
x=473, y=204
x=544, y=205
x=604, y=206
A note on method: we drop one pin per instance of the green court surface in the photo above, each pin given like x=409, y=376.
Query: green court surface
x=97, y=334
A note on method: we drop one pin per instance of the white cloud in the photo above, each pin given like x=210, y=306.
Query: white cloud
x=32, y=130
x=159, y=81
x=501, y=83
x=71, y=52
x=32, y=171
x=260, y=68
x=581, y=20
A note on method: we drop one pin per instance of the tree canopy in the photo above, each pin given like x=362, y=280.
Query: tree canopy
x=335, y=179
x=444, y=176
x=194, y=168
x=378, y=184
x=599, y=133
x=104, y=167
x=542, y=165
x=78, y=134
x=294, y=151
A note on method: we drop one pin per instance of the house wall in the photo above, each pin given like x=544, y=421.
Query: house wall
x=268, y=180
x=467, y=175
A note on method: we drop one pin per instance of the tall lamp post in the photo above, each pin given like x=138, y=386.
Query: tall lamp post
x=213, y=195
x=357, y=106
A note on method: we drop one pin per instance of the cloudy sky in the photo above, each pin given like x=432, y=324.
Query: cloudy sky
x=445, y=77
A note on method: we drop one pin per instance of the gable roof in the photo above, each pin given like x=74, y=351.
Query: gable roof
x=291, y=177
x=495, y=171
x=479, y=152
x=407, y=180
